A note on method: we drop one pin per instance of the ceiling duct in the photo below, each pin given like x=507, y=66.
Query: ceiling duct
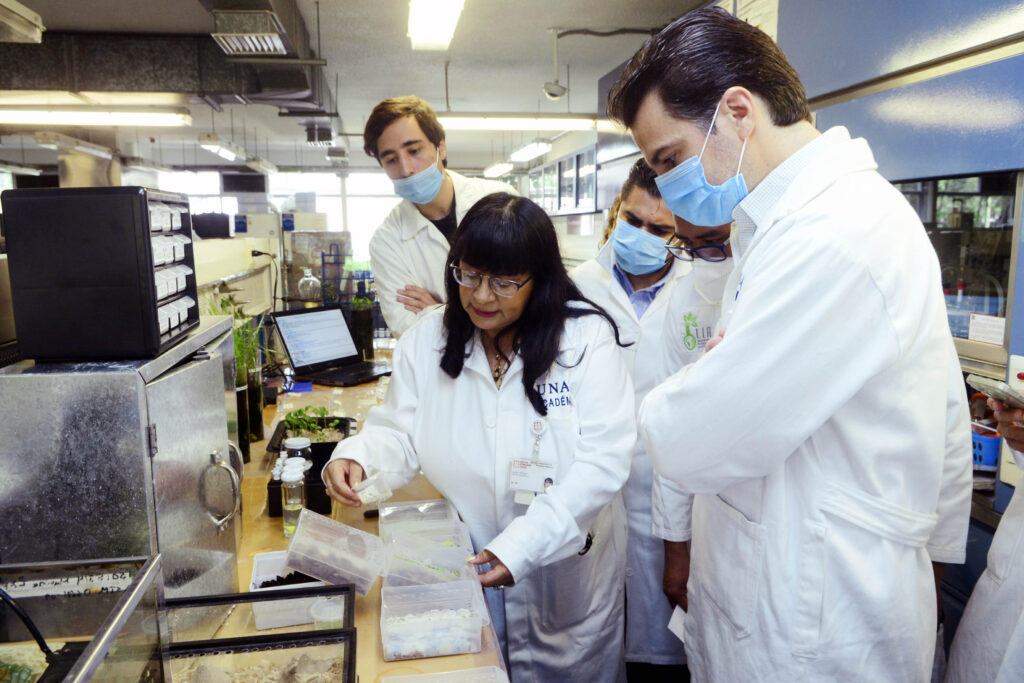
x=249, y=32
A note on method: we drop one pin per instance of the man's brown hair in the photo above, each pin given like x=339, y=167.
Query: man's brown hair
x=390, y=110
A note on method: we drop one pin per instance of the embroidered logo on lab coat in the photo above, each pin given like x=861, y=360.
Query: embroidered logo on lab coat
x=555, y=394
x=695, y=335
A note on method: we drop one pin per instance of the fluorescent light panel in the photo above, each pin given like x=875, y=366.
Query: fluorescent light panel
x=222, y=148
x=260, y=165
x=66, y=143
x=497, y=170
x=18, y=169
x=520, y=123
x=531, y=151
x=143, y=117
x=19, y=24
x=432, y=23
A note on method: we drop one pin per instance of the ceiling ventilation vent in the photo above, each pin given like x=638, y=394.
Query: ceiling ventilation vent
x=249, y=33
x=318, y=135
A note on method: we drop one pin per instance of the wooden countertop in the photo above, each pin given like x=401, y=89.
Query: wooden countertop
x=261, y=533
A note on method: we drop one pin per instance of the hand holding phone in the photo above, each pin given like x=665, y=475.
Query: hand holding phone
x=1001, y=391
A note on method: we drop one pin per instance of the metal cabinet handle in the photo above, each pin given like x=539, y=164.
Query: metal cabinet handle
x=236, y=491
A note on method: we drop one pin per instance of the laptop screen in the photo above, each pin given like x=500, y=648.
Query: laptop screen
x=317, y=337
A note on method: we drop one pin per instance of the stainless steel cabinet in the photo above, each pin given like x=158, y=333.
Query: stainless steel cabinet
x=117, y=459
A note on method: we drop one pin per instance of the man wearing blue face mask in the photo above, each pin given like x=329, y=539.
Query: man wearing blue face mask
x=825, y=436
x=651, y=296
x=409, y=249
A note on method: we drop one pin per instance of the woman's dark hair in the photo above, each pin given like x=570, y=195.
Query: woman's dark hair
x=503, y=234
x=699, y=56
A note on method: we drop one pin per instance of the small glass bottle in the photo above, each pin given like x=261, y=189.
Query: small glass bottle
x=293, y=499
x=298, y=447
x=308, y=287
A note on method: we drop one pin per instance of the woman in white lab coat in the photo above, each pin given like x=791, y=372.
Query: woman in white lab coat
x=518, y=367
x=989, y=642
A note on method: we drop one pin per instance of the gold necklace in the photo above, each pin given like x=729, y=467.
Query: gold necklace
x=498, y=373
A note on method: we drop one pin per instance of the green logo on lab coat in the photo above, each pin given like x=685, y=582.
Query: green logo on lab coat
x=689, y=340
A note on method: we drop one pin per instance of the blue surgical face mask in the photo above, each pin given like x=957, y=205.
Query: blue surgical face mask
x=422, y=187
x=689, y=195
x=637, y=251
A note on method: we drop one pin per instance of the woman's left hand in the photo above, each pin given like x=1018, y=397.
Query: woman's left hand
x=498, y=577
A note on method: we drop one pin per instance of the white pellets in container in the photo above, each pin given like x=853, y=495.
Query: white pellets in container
x=430, y=621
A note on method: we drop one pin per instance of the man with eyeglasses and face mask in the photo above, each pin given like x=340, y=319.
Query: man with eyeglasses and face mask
x=658, y=302
x=826, y=435
x=409, y=249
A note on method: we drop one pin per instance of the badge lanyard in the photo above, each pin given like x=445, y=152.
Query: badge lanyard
x=527, y=476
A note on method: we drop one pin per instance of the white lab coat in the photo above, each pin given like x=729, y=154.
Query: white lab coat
x=562, y=620
x=647, y=610
x=989, y=642
x=406, y=249
x=827, y=435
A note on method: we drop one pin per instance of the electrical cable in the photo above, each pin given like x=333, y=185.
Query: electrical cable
x=29, y=624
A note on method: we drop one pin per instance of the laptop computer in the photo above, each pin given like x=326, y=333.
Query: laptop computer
x=321, y=349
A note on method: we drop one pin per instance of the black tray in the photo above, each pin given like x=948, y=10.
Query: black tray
x=317, y=498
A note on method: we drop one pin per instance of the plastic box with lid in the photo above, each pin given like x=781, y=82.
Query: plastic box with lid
x=334, y=552
x=482, y=674
x=430, y=621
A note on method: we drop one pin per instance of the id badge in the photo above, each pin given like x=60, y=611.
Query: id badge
x=528, y=478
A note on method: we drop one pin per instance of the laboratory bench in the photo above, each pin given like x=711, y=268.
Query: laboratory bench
x=261, y=533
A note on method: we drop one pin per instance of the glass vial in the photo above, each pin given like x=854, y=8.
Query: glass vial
x=293, y=499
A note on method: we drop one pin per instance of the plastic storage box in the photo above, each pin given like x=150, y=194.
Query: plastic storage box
x=334, y=552
x=266, y=567
x=430, y=621
x=483, y=674
x=414, y=561
x=416, y=514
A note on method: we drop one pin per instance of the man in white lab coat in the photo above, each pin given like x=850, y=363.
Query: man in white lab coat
x=633, y=278
x=408, y=250
x=827, y=431
x=989, y=642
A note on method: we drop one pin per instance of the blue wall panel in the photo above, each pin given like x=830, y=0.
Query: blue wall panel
x=967, y=122
x=838, y=43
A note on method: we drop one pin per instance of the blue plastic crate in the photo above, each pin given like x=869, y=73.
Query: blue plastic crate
x=985, y=451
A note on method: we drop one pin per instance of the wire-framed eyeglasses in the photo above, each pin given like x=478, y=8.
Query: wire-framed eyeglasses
x=502, y=287
x=708, y=252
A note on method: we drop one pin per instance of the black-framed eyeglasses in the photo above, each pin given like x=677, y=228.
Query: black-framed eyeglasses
x=708, y=252
x=500, y=286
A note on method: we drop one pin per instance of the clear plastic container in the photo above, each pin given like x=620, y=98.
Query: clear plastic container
x=328, y=613
x=335, y=553
x=483, y=674
x=269, y=566
x=373, y=489
x=308, y=286
x=414, y=561
x=400, y=516
x=430, y=621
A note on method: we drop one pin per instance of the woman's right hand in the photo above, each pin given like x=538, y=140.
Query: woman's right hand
x=341, y=475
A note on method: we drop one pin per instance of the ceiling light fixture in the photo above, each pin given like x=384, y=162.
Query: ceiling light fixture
x=531, y=151
x=497, y=170
x=66, y=143
x=261, y=165
x=19, y=24
x=142, y=117
x=19, y=169
x=432, y=23
x=517, y=122
x=141, y=164
x=223, y=148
